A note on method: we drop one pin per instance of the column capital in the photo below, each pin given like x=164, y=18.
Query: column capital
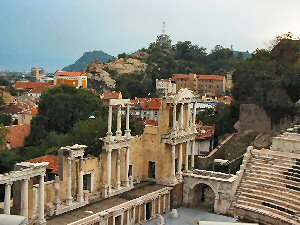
x=9, y=183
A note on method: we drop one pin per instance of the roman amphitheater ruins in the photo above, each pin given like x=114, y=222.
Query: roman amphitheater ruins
x=137, y=178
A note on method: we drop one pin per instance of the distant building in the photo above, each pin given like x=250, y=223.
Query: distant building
x=37, y=72
x=37, y=91
x=214, y=85
x=106, y=96
x=164, y=39
x=146, y=108
x=27, y=86
x=26, y=116
x=76, y=79
x=204, y=140
x=165, y=87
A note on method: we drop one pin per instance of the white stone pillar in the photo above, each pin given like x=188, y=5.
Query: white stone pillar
x=187, y=156
x=127, y=131
x=69, y=184
x=109, y=133
x=181, y=116
x=128, y=217
x=118, y=183
x=133, y=215
x=194, y=114
x=80, y=181
x=174, y=116
x=119, y=121
x=57, y=192
x=109, y=169
x=188, y=116
x=24, y=198
x=164, y=203
x=35, y=202
x=41, y=217
x=145, y=212
x=173, y=169
x=127, y=166
x=158, y=206
x=180, y=163
x=7, y=198
x=192, y=155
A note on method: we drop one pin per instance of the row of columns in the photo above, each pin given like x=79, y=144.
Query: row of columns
x=24, y=199
x=69, y=182
x=180, y=158
x=181, y=115
x=118, y=170
x=119, y=121
x=137, y=210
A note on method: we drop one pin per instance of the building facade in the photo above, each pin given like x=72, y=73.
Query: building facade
x=76, y=79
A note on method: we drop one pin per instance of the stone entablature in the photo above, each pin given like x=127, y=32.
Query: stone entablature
x=119, y=210
x=287, y=142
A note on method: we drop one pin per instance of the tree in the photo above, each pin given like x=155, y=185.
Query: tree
x=60, y=108
x=5, y=119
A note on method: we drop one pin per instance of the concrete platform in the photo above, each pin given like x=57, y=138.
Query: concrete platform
x=190, y=216
x=72, y=216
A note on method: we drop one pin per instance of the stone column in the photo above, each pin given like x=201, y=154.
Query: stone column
x=164, y=203
x=57, y=192
x=7, y=198
x=109, y=133
x=181, y=116
x=119, y=118
x=173, y=172
x=109, y=169
x=187, y=156
x=41, y=217
x=24, y=198
x=192, y=155
x=69, y=184
x=118, y=183
x=158, y=206
x=35, y=202
x=194, y=114
x=145, y=212
x=188, y=115
x=127, y=166
x=133, y=215
x=180, y=163
x=174, y=116
x=127, y=131
x=80, y=181
x=128, y=217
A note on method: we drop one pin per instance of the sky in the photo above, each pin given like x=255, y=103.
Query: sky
x=55, y=33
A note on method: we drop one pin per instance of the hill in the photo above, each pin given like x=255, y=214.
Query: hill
x=87, y=58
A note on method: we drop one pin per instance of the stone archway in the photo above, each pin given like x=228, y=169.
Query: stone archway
x=202, y=197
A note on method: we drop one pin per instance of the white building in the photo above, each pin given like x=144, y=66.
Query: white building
x=165, y=87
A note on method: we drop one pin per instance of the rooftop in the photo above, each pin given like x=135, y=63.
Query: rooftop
x=17, y=134
x=67, y=73
x=52, y=159
x=27, y=85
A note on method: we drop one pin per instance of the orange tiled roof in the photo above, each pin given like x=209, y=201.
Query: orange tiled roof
x=16, y=135
x=225, y=99
x=150, y=122
x=39, y=90
x=151, y=104
x=180, y=76
x=30, y=85
x=66, y=73
x=110, y=95
x=164, y=80
x=52, y=159
x=210, y=77
x=33, y=111
x=205, y=132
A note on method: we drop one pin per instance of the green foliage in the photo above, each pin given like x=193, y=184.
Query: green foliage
x=268, y=83
x=2, y=101
x=223, y=117
x=87, y=58
x=5, y=119
x=60, y=108
x=7, y=160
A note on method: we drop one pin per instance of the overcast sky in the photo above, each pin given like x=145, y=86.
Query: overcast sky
x=54, y=33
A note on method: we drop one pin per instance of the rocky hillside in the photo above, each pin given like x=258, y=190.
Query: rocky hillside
x=102, y=75
x=87, y=58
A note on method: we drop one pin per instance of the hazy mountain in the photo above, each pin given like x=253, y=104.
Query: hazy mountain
x=87, y=58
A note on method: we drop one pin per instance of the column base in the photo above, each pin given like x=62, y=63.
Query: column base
x=80, y=198
x=41, y=222
x=127, y=133
x=118, y=185
x=118, y=133
x=69, y=201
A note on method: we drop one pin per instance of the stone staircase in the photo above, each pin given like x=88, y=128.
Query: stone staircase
x=269, y=191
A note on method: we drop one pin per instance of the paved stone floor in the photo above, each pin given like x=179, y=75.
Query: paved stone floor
x=189, y=216
x=72, y=216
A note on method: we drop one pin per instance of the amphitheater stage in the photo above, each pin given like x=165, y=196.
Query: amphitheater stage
x=190, y=216
x=77, y=214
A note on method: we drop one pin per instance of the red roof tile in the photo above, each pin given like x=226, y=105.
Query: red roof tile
x=52, y=159
x=150, y=122
x=33, y=111
x=66, y=73
x=210, y=77
x=180, y=76
x=16, y=135
x=110, y=95
x=30, y=85
x=39, y=90
x=151, y=104
x=205, y=132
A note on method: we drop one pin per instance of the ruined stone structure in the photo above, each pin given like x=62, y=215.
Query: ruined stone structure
x=163, y=155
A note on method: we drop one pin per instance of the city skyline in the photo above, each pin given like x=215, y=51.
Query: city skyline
x=54, y=34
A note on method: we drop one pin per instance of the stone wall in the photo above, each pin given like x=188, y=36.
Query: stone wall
x=177, y=196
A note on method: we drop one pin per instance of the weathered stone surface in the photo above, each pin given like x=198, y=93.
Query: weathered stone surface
x=174, y=214
x=263, y=140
